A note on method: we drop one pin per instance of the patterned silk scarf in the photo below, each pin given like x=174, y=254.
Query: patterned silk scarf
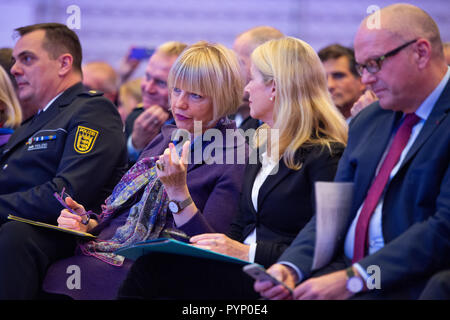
x=146, y=218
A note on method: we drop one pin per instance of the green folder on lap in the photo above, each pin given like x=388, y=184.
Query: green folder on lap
x=175, y=247
x=51, y=226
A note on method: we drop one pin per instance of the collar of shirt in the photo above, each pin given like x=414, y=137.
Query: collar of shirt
x=50, y=103
x=427, y=105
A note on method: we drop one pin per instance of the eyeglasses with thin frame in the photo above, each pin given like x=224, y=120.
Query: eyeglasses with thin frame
x=374, y=65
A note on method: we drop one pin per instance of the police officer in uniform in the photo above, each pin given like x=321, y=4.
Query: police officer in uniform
x=72, y=139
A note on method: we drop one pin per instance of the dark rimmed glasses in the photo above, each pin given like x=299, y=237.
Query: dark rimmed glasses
x=374, y=65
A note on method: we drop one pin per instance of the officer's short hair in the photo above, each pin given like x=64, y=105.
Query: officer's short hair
x=59, y=39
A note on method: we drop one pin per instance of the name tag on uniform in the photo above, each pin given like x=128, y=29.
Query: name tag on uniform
x=37, y=146
x=38, y=143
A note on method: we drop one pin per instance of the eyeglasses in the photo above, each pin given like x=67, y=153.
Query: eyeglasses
x=374, y=65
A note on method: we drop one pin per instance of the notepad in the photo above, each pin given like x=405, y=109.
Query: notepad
x=174, y=247
x=51, y=226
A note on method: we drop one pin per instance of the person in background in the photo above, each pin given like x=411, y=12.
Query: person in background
x=398, y=158
x=101, y=76
x=10, y=113
x=344, y=82
x=6, y=62
x=130, y=97
x=144, y=123
x=278, y=193
x=447, y=52
x=243, y=45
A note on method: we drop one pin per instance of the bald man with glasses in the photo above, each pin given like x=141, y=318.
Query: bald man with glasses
x=398, y=157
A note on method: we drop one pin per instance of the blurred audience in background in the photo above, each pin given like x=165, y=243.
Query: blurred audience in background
x=144, y=123
x=344, y=82
x=6, y=62
x=243, y=45
x=130, y=97
x=447, y=52
x=101, y=76
x=10, y=113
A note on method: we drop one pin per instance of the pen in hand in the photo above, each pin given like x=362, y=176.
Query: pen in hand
x=85, y=216
x=172, y=233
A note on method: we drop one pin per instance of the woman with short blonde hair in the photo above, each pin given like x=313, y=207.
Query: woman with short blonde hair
x=303, y=111
x=213, y=70
x=167, y=192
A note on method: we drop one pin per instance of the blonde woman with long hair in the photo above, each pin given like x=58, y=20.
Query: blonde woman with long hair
x=300, y=143
x=10, y=112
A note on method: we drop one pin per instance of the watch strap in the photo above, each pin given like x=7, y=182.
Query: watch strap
x=183, y=204
x=350, y=272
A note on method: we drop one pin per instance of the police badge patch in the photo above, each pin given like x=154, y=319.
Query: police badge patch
x=84, y=139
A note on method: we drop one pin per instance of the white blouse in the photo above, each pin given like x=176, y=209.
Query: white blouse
x=267, y=166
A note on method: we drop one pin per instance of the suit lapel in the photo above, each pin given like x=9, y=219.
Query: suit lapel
x=251, y=170
x=272, y=181
x=435, y=119
x=372, y=154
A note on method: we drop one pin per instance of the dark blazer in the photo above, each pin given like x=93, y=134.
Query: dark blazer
x=285, y=201
x=416, y=207
x=77, y=143
x=129, y=122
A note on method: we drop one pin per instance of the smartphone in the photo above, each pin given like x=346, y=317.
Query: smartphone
x=257, y=272
x=141, y=53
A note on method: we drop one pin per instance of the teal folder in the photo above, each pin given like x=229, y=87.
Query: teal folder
x=175, y=247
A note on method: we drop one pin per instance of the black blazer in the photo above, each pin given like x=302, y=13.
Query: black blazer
x=285, y=201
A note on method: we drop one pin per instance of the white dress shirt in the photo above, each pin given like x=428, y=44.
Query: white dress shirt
x=267, y=166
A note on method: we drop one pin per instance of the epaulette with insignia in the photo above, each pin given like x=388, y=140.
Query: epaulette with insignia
x=91, y=93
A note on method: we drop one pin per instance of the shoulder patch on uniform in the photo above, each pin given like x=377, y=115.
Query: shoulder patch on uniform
x=84, y=139
x=91, y=93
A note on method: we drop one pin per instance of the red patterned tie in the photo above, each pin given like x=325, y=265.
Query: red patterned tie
x=376, y=190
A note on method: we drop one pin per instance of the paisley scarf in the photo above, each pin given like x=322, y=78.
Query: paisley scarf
x=146, y=218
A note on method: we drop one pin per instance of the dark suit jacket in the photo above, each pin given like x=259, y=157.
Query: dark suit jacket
x=416, y=208
x=86, y=155
x=285, y=201
x=129, y=122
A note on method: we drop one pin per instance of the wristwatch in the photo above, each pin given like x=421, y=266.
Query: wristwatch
x=354, y=283
x=176, y=206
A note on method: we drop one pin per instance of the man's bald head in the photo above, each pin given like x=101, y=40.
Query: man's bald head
x=101, y=76
x=407, y=49
x=407, y=22
x=248, y=40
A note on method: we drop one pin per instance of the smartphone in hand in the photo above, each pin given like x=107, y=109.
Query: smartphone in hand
x=257, y=272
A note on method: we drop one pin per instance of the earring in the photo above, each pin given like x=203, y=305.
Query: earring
x=271, y=98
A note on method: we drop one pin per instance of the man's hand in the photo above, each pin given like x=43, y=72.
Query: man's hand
x=364, y=100
x=148, y=125
x=270, y=291
x=328, y=287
